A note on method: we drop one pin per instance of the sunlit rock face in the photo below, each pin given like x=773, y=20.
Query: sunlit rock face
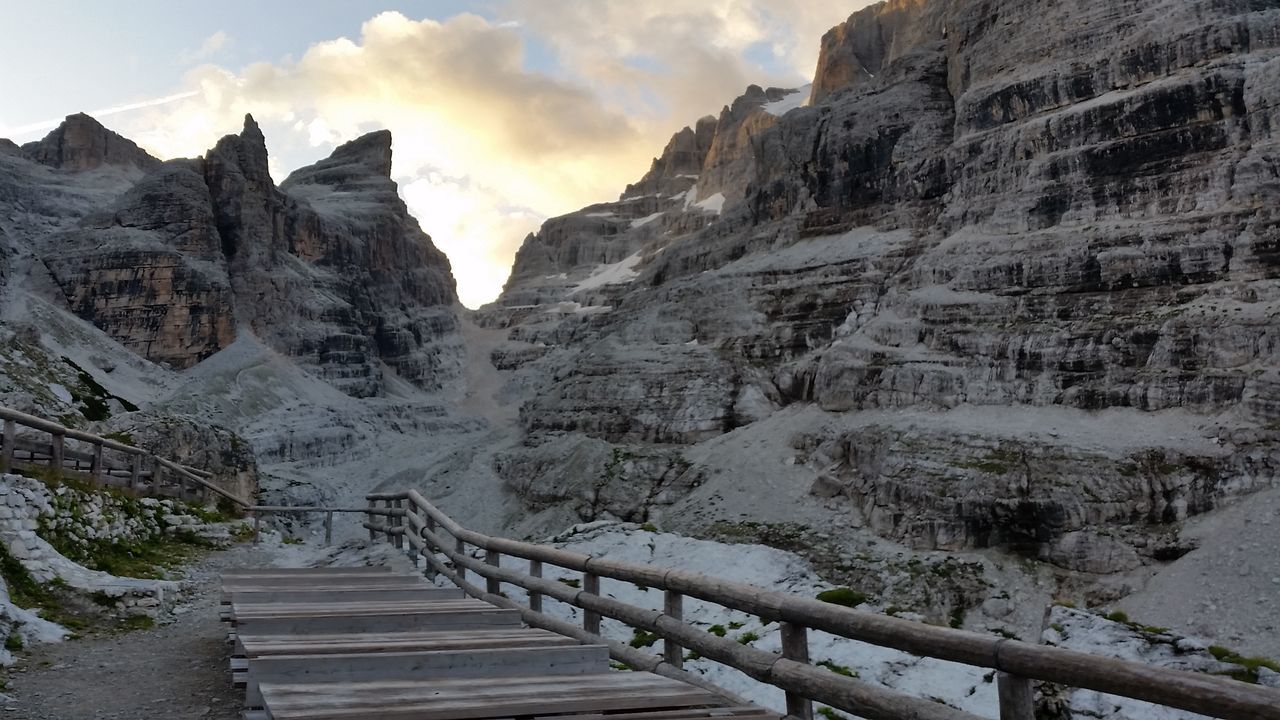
x=170, y=259
x=1063, y=208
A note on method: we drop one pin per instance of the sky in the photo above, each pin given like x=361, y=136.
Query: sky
x=503, y=112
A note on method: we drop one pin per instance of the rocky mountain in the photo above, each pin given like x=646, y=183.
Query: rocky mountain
x=171, y=259
x=1007, y=279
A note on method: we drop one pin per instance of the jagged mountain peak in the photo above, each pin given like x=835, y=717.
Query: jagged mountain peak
x=83, y=143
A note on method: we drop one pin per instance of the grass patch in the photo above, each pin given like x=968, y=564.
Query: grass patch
x=957, y=617
x=123, y=438
x=747, y=638
x=735, y=625
x=717, y=630
x=1249, y=666
x=1118, y=616
x=13, y=643
x=643, y=639
x=838, y=669
x=571, y=582
x=829, y=714
x=847, y=597
x=137, y=622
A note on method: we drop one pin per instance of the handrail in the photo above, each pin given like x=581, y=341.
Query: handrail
x=1018, y=662
x=60, y=433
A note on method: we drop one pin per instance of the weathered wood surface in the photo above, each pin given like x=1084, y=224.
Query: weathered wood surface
x=416, y=620
x=485, y=665
x=267, y=571
x=344, y=595
x=384, y=663
x=467, y=698
x=402, y=641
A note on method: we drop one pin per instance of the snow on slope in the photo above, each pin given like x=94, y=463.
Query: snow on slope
x=797, y=98
x=612, y=274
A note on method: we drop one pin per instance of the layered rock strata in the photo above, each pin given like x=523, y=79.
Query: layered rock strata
x=985, y=205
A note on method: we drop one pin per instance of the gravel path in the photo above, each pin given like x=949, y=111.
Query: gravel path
x=178, y=670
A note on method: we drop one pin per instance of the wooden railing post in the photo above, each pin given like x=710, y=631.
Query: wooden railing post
x=328, y=528
x=57, y=446
x=461, y=548
x=493, y=585
x=157, y=476
x=372, y=519
x=397, y=521
x=98, y=471
x=10, y=441
x=673, y=607
x=795, y=646
x=591, y=620
x=1017, y=698
x=430, y=522
x=257, y=526
x=535, y=598
x=388, y=505
x=135, y=473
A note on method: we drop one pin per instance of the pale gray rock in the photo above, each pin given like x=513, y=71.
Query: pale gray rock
x=1007, y=205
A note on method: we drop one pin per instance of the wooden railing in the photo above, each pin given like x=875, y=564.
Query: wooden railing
x=107, y=461
x=430, y=534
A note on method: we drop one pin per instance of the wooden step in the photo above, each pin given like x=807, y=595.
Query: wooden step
x=425, y=593
x=321, y=644
x=257, y=572
x=415, y=620
x=489, y=665
x=532, y=696
x=246, y=610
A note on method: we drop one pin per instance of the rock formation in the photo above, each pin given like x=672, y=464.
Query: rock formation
x=170, y=258
x=1063, y=214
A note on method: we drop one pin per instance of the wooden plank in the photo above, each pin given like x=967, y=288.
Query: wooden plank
x=737, y=713
x=251, y=586
x=258, y=645
x=467, y=699
x=420, y=620
x=266, y=596
x=795, y=646
x=357, y=570
x=369, y=607
x=430, y=666
x=1017, y=698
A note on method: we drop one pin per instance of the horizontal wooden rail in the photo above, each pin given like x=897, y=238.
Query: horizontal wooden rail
x=1210, y=695
x=58, y=455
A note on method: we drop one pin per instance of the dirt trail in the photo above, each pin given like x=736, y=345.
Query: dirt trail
x=177, y=670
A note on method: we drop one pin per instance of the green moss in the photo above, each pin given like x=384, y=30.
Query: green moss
x=649, y=527
x=736, y=625
x=292, y=541
x=13, y=643
x=137, y=622
x=957, y=617
x=717, y=630
x=1118, y=616
x=838, y=669
x=843, y=596
x=691, y=656
x=643, y=639
x=747, y=638
x=621, y=667
x=829, y=714
x=571, y=582
x=1249, y=666
x=101, y=598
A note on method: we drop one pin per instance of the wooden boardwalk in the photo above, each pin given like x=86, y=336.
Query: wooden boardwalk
x=360, y=643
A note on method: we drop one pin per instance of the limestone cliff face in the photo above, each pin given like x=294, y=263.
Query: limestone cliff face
x=1061, y=209
x=170, y=259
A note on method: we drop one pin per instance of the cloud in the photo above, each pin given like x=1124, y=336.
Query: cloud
x=211, y=46
x=47, y=125
x=486, y=146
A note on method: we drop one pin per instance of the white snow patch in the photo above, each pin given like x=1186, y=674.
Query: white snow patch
x=714, y=204
x=613, y=274
x=645, y=220
x=794, y=99
x=598, y=214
